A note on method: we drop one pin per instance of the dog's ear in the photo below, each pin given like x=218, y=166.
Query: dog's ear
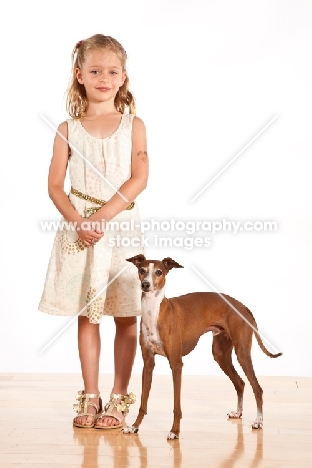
x=169, y=263
x=137, y=260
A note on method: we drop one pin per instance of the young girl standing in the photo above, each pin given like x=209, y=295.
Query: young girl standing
x=105, y=151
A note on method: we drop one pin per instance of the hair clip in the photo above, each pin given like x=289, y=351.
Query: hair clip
x=79, y=44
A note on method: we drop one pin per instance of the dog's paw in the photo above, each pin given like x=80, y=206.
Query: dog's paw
x=234, y=415
x=130, y=430
x=172, y=436
x=257, y=425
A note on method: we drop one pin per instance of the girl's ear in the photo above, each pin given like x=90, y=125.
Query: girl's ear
x=78, y=75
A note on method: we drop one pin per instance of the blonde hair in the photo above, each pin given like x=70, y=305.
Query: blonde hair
x=76, y=100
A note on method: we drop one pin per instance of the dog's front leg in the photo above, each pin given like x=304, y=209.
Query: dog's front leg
x=176, y=367
x=149, y=364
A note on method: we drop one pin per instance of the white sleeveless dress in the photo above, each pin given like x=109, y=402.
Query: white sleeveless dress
x=90, y=281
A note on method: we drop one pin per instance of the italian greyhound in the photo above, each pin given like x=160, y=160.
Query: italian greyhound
x=172, y=328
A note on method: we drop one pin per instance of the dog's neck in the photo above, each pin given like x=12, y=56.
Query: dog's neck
x=155, y=293
x=150, y=311
x=150, y=306
x=152, y=300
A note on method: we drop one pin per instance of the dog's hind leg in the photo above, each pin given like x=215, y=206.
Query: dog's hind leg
x=244, y=359
x=222, y=347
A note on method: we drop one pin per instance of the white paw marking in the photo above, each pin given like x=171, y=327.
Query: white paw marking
x=172, y=436
x=257, y=425
x=234, y=415
x=130, y=430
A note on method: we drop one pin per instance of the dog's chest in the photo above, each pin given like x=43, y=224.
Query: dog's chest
x=150, y=312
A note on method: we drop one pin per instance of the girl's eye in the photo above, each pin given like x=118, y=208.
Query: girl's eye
x=95, y=72
x=113, y=73
x=158, y=272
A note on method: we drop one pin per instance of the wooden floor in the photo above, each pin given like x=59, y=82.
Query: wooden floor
x=36, y=425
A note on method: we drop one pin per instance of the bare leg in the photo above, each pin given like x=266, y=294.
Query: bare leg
x=124, y=354
x=89, y=345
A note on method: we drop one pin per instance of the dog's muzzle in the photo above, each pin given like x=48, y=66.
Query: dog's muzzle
x=145, y=286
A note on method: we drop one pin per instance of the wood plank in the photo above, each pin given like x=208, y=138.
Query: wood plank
x=36, y=425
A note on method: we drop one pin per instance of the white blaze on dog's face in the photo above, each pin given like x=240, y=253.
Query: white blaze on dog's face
x=152, y=276
x=150, y=272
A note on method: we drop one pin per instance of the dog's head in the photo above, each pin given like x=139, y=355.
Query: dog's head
x=152, y=273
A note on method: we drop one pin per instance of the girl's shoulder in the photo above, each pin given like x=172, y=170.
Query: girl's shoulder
x=70, y=123
x=132, y=122
x=67, y=128
x=63, y=128
x=137, y=123
x=138, y=130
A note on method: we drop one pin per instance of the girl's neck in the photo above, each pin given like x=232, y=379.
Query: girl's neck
x=96, y=109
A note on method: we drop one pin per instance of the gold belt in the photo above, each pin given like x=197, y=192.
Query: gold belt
x=94, y=209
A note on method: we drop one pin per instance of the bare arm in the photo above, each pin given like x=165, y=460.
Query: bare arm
x=57, y=174
x=138, y=180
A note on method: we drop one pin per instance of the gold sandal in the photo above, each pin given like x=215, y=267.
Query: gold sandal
x=121, y=403
x=82, y=405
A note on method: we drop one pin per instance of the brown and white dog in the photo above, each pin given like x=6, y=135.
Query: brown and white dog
x=172, y=328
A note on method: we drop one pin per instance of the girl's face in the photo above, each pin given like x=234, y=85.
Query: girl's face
x=101, y=74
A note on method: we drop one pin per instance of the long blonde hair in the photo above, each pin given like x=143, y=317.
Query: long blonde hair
x=76, y=100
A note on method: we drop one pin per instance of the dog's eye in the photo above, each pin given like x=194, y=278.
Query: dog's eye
x=158, y=273
x=141, y=271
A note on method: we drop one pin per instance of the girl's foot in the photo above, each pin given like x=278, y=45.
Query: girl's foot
x=88, y=407
x=115, y=411
x=111, y=421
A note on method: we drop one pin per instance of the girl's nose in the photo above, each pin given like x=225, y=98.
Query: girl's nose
x=103, y=77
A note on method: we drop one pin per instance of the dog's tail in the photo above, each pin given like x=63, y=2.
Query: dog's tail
x=260, y=343
x=258, y=337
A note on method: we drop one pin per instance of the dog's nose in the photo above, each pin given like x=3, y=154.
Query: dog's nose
x=145, y=285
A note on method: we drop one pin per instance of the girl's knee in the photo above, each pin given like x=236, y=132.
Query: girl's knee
x=84, y=323
x=125, y=321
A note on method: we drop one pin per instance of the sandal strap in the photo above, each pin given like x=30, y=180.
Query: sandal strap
x=108, y=410
x=120, y=402
x=84, y=401
x=88, y=414
x=90, y=403
x=82, y=394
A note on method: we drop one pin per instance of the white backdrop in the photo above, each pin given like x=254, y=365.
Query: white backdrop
x=207, y=77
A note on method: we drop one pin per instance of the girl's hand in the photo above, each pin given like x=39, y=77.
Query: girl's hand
x=88, y=232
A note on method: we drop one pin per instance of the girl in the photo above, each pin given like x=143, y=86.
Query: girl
x=105, y=151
